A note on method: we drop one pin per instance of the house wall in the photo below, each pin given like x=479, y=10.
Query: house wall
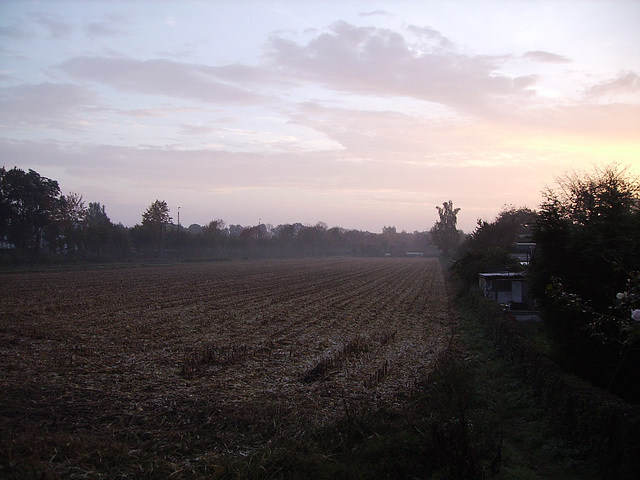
x=503, y=290
x=516, y=292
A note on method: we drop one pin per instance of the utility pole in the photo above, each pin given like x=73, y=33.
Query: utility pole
x=260, y=237
x=178, y=233
x=32, y=233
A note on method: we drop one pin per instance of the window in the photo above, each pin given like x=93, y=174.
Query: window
x=502, y=285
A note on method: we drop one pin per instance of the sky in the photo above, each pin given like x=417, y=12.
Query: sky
x=358, y=114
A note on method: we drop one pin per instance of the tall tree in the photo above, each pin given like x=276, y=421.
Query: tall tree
x=100, y=233
x=28, y=203
x=445, y=234
x=155, y=219
x=96, y=214
x=65, y=233
x=213, y=235
x=156, y=216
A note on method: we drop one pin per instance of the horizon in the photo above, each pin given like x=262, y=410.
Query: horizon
x=358, y=114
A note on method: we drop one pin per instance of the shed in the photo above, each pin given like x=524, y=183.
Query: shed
x=505, y=288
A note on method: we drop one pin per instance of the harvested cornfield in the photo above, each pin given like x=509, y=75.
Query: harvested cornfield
x=172, y=370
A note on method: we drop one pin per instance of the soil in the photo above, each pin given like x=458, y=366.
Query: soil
x=167, y=369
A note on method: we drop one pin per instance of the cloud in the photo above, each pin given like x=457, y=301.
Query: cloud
x=157, y=112
x=525, y=81
x=416, y=143
x=6, y=75
x=377, y=61
x=17, y=31
x=363, y=134
x=431, y=35
x=110, y=26
x=196, y=129
x=518, y=138
x=161, y=168
x=148, y=173
x=6, y=53
x=375, y=13
x=546, y=57
x=61, y=106
x=625, y=82
x=165, y=77
x=56, y=27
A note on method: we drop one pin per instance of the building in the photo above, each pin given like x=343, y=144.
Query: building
x=509, y=289
x=524, y=252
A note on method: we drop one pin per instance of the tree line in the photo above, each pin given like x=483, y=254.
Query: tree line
x=39, y=224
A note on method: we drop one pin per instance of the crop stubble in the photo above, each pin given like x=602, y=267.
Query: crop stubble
x=233, y=353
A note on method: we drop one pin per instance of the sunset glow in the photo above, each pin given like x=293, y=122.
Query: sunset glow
x=359, y=114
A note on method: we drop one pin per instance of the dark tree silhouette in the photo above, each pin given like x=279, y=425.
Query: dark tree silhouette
x=445, y=234
x=28, y=203
x=587, y=244
x=155, y=219
x=65, y=232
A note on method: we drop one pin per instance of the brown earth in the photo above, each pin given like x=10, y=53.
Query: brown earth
x=167, y=369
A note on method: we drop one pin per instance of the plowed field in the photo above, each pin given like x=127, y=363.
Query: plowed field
x=174, y=367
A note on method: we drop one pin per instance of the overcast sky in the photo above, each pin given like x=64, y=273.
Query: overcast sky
x=360, y=114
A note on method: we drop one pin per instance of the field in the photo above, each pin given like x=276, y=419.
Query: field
x=179, y=370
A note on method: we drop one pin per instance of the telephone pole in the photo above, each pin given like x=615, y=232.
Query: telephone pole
x=178, y=234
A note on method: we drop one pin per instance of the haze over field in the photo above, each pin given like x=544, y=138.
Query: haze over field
x=359, y=114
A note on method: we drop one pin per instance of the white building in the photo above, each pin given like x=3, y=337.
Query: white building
x=511, y=289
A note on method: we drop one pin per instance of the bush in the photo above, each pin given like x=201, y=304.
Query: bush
x=467, y=268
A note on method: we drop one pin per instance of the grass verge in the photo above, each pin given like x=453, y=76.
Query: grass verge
x=530, y=445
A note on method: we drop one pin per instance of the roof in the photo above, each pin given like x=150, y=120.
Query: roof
x=513, y=275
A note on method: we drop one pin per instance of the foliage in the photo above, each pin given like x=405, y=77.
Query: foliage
x=503, y=232
x=587, y=236
x=96, y=214
x=620, y=325
x=65, y=230
x=625, y=315
x=490, y=245
x=470, y=264
x=28, y=203
x=156, y=216
x=214, y=228
x=445, y=233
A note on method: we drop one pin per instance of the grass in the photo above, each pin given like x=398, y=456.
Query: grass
x=530, y=446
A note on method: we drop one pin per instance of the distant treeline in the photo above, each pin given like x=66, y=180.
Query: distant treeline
x=38, y=224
